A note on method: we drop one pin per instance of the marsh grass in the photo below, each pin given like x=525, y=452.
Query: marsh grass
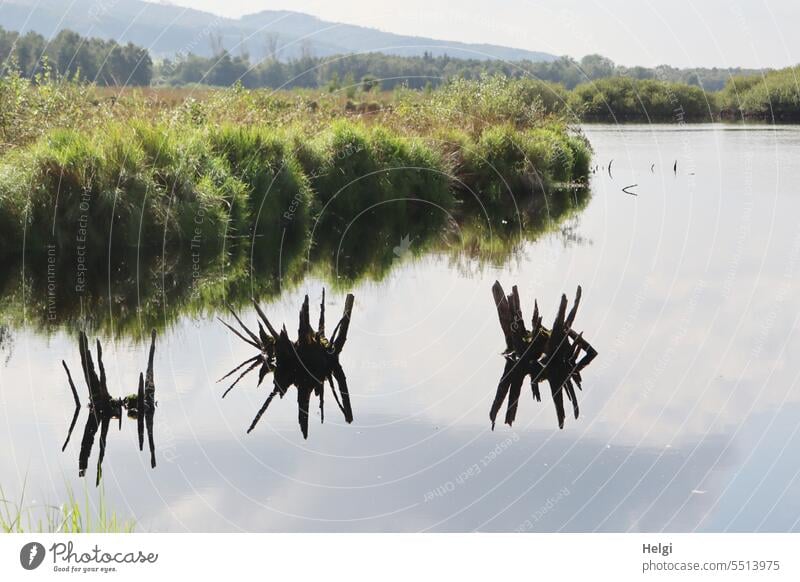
x=171, y=202
x=19, y=516
x=134, y=185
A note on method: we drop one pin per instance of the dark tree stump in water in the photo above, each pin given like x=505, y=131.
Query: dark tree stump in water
x=541, y=353
x=307, y=363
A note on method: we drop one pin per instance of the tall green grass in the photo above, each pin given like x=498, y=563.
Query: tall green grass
x=159, y=205
x=275, y=217
x=506, y=165
x=19, y=516
x=150, y=186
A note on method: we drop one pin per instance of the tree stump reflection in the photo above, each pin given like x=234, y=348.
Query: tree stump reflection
x=103, y=408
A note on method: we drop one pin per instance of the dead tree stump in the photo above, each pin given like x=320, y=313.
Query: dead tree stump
x=307, y=363
x=541, y=353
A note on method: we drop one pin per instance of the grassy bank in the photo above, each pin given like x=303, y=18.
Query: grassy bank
x=242, y=165
x=146, y=204
x=143, y=185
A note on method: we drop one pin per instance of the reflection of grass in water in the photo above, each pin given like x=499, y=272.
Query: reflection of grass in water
x=155, y=290
x=496, y=241
x=130, y=302
x=70, y=517
x=375, y=243
x=465, y=238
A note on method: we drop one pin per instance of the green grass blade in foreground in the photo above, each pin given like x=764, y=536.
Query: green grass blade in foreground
x=69, y=517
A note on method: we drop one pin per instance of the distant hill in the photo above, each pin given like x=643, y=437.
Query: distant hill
x=167, y=30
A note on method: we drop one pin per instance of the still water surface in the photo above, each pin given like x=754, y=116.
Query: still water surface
x=689, y=415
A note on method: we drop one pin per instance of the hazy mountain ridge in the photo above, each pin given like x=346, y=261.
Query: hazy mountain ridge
x=166, y=30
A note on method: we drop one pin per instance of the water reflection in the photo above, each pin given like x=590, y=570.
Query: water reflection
x=307, y=363
x=265, y=344
x=103, y=408
x=688, y=422
x=541, y=353
x=128, y=293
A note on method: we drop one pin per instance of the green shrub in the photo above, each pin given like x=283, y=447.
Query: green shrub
x=775, y=96
x=495, y=100
x=619, y=99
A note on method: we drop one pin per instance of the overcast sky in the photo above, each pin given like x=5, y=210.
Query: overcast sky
x=750, y=33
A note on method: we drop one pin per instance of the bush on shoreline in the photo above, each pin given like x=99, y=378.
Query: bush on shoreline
x=623, y=99
x=775, y=96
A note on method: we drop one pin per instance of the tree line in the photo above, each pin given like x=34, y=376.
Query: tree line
x=107, y=62
x=70, y=55
x=593, y=87
x=415, y=72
